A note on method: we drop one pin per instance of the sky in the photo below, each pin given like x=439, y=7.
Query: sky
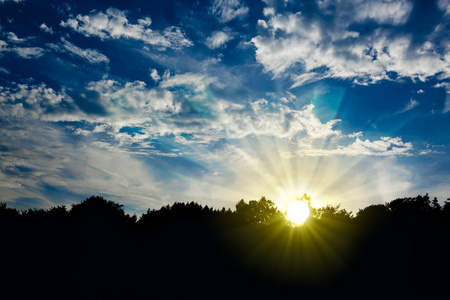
x=148, y=103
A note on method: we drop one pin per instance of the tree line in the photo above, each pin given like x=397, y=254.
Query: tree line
x=263, y=212
x=95, y=250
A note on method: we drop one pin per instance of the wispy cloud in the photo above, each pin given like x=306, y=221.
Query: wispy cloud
x=4, y=71
x=16, y=1
x=22, y=51
x=411, y=104
x=445, y=85
x=91, y=55
x=227, y=10
x=444, y=5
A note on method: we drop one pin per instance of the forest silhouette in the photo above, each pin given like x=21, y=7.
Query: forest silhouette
x=94, y=250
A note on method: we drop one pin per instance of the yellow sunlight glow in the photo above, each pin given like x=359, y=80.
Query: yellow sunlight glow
x=297, y=212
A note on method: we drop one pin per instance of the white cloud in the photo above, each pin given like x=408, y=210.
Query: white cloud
x=382, y=11
x=28, y=52
x=75, y=168
x=47, y=29
x=270, y=126
x=80, y=131
x=306, y=49
x=227, y=10
x=198, y=81
x=420, y=91
x=218, y=39
x=16, y=1
x=91, y=55
x=444, y=5
x=268, y=11
x=24, y=52
x=446, y=104
x=154, y=75
x=12, y=37
x=163, y=111
x=3, y=46
x=132, y=102
x=114, y=25
x=37, y=99
x=274, y=119
x=411, y=104
x=385, y=146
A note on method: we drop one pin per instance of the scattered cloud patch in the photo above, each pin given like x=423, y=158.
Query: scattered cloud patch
x=114, y=25
x=158, y=112
x=23, y=52
x=218, y=39
x=308, y=49
x=47, y=29
x=154, y=75
x=227, y=10
x=382, y=11
x=12, y=37
x=28, y=52
x=16, y=1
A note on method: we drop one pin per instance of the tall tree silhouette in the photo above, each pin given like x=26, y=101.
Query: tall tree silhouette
x=257, y=212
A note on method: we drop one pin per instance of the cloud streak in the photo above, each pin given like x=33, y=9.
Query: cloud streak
x=91, y=55
x=411, y=104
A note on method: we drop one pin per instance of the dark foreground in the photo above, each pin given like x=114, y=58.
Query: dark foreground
x=394, y=251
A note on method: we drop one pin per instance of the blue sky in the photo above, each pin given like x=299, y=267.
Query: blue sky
x=214, y=101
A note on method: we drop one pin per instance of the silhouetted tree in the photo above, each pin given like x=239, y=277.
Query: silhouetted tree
x=8, y=216
x=97, y=212
x=8, y=212
x=412, y=205
x=58, y=214
x=98, y=206
x=257, y=212
x=446, y=206
x=333, y=213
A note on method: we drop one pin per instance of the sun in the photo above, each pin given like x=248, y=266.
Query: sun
x=297, y=212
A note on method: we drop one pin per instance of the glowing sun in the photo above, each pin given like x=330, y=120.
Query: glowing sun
x=297, y=212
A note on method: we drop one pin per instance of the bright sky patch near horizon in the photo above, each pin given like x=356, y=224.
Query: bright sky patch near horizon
x=152, y=102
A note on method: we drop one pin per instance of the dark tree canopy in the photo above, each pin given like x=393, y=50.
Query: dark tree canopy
x=97, y=251
x=262, y=211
